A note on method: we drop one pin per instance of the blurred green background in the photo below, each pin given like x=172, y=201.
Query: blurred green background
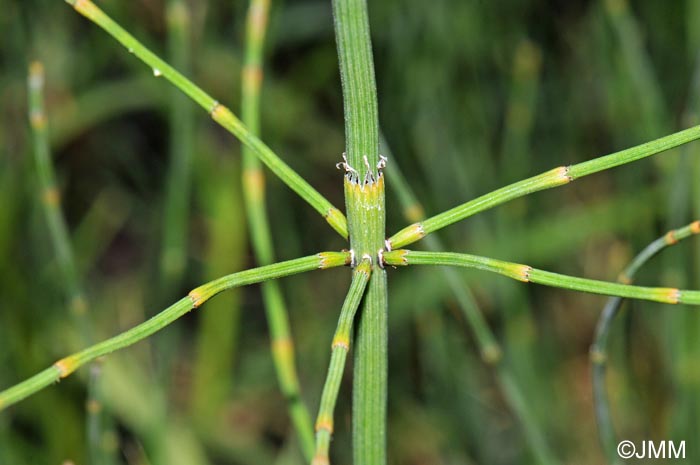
x=472, y=95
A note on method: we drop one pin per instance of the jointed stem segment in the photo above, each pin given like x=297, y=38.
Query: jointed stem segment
x=196, y=297
x=340, y=348
x=219, y=113
x=254, y=195
x=50, y=197
x=364, y=200
x=526, y=273
x=553, y=178
x=60, y=242
x=599, y=355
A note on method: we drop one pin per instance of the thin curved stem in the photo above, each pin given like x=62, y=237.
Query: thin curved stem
x=339, y=347
x=50, y=199
x=527, y=273
x=194, y=299
x=547, y=180
x=218, y=112
x=259, y=227
x=599, y=354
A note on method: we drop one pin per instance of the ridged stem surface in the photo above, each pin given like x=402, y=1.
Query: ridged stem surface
x=339, y=351
x=364, y=200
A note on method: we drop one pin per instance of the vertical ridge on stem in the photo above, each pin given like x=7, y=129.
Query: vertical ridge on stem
x=364, y=199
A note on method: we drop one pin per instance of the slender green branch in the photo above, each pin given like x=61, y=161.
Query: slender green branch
x=194, y=299
x=49, y=196
x=553, y=178
x=599, y=351
x=218, y=112
x=490, y=349
x=339, y=347
x=526, y=274
x=254, y=195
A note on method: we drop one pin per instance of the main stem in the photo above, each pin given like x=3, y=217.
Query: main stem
x=364, y=198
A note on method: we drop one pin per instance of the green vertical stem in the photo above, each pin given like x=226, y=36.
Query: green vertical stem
x=50, y=198
x=370, y=376
x=173, y=253
x=259, y=227
x=364, y=200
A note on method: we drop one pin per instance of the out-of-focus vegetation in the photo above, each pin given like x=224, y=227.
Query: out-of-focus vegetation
x=472, y=96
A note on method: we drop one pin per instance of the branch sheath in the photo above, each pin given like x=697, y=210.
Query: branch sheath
x=526, y=273
x=259, y=227
x=339, y=350
x=553, y=178
x=196, y=297
x=599, y=349
x=218, y=112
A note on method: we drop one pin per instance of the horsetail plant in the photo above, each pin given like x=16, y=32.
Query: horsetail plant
x=282, y=346
x=364, y=227
x=599, y=348
x=50, y=199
